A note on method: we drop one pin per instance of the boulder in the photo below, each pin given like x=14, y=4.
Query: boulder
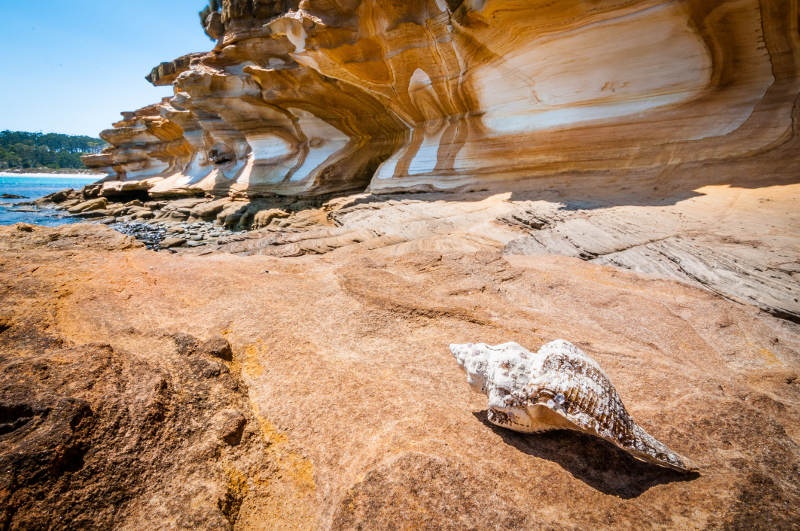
x=209, y=210
x=263, y=218
x=99, y=203
x=168, y=243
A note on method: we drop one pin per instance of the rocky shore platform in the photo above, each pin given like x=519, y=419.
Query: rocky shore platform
x=290, y=369
x=738, y=241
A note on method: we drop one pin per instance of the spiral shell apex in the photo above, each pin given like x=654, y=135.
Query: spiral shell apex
x=558, y=387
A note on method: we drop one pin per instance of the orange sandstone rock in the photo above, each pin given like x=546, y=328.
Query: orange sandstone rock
x=313, y=97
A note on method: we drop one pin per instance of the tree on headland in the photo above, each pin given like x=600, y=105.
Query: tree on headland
x=21, y=149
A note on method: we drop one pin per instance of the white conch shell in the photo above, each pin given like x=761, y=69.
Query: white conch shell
x=559, y=387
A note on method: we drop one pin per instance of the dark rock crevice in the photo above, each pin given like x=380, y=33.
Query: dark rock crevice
x=103, y=437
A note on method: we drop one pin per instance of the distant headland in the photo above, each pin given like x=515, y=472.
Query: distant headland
x=36, y=152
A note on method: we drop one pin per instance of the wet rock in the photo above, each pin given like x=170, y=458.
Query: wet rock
x=24, y=207
x=59, y=197
x=70, y=203
x=99, y=213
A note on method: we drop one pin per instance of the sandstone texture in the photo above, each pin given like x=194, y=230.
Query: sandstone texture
x=312, y=97
x=735, y=235
x=622, y=174
x=338, y=404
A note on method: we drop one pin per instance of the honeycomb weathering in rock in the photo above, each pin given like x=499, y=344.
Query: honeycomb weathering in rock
x=558, y=387
x=316, y=97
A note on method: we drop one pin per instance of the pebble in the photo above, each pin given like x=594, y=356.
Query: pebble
x=150, y=235
x=161, y=228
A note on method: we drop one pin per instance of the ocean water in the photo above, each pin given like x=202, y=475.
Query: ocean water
x=33, y=186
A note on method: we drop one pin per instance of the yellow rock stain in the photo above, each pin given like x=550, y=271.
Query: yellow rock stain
x=250, y=362
x=282, y=496
x=293, y=465
x=236, y=482
x=769, y=357
x=270, y=433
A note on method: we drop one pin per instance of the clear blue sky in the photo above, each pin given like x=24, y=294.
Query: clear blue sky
x=71, y=66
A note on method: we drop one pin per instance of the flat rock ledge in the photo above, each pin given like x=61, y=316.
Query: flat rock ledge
x=737, y=242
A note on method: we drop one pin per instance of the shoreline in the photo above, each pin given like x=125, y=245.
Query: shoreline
x=20, y=195
x=43, y=172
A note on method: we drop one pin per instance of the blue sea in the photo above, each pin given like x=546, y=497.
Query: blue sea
x=33, y=186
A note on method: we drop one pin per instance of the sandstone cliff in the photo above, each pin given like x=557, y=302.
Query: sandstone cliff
x=312, y=97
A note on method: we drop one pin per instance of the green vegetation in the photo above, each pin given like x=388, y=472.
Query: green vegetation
x=19, y=149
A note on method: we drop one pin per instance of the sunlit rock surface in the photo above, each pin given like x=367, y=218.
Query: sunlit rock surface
x=316, y=97
x=335, y=404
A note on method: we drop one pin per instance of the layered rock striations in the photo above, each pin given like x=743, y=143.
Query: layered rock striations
x=147, y=146
x=313, y=97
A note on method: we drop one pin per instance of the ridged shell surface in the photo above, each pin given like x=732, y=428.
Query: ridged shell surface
x=558, y=387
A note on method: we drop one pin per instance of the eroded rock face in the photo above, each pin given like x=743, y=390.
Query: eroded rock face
x=83, y=428
x=146, y=146
x=311, y=97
